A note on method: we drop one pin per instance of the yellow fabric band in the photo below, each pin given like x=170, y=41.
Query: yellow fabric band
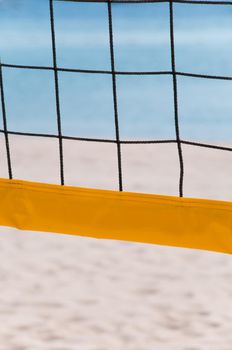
x=165, y=220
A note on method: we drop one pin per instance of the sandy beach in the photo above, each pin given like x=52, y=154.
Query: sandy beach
x=61, y=292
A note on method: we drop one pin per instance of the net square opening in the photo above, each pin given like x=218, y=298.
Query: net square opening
x=205, y=107
x=145, y=107
x=141, y=37
x=87, y=105
x=151, y=168
x=208, y=173
x=82, y=35
x=91, y=164
x=35, y=158
x=203, y=39
x=30, y=100
x=25, y=32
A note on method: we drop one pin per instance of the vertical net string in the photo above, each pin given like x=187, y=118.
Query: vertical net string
x=57, y=92
x=175, y=98
x=114, y=86
x=5, y=125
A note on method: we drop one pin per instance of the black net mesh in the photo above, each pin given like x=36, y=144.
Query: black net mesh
x=114, y=75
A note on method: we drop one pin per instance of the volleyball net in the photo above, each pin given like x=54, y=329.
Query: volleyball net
x=118, y=141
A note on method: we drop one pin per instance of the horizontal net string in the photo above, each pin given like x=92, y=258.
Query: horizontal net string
x=125, y=142
x=91, y=71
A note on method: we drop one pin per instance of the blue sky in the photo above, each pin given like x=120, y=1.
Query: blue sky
x=203, y=37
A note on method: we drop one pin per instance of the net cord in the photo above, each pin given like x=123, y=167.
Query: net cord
x=175, y=98
x=57, y=96
x=115, y=99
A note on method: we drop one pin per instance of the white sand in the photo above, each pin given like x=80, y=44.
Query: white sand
x=61, y=292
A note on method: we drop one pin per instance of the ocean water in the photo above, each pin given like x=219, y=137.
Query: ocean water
x=203, y=45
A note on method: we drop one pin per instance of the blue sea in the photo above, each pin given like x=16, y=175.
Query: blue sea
x=203, y=45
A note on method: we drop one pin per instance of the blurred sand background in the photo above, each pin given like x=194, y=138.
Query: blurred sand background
x=61, y=292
